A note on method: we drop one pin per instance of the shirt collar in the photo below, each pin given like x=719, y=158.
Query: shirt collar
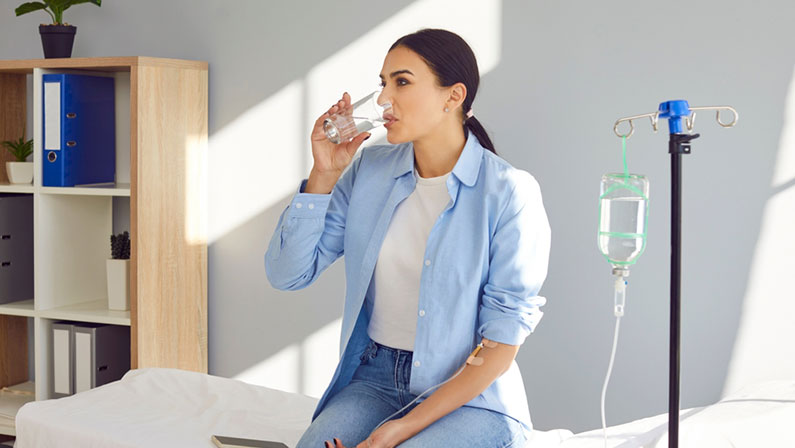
x=466, y=169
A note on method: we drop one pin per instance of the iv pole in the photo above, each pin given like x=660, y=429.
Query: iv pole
x=677, y=112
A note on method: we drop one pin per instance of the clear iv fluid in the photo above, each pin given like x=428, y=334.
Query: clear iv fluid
x=621, y=218
x=623, y=212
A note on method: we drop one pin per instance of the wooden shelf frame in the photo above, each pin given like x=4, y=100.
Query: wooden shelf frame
x=168, y=134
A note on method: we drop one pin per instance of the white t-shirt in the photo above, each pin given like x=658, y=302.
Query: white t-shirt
x=400, y=263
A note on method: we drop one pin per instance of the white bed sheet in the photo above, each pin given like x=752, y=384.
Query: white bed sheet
x=762, y=415
x=164, y=408
x=175, y=408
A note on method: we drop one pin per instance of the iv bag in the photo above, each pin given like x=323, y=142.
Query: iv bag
x=623, y=213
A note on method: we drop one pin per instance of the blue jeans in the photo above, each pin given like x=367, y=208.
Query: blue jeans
x=380, y=386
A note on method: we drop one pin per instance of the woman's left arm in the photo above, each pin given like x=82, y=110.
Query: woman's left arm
x=470, y=383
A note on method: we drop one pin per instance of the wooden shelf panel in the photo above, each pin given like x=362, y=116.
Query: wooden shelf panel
x=11, y=400
x=21, y=308
x=94, y=311
x=111, y=64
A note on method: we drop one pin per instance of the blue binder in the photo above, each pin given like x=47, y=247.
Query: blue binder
x=79, y=130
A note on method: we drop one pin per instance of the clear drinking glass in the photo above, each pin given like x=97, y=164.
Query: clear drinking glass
x=359, y=117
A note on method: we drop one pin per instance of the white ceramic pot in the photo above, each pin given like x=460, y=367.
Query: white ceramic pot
x=118, y=285
x=20, y=172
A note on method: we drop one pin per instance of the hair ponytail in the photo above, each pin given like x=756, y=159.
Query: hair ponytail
x=451, y=59
x=477, y=129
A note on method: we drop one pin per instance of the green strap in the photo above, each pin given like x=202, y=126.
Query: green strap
x=623, y=234
x=624, y=151
x=625, y=186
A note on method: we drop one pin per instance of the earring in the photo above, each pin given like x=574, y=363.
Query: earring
x=447, y=109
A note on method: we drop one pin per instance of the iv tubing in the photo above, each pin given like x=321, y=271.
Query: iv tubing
x=607, y=378
x=418, y=397
x=620, y=297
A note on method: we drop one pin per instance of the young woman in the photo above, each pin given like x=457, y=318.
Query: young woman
x=446, y=246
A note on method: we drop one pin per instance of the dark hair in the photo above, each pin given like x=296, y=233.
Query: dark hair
x=451, y=60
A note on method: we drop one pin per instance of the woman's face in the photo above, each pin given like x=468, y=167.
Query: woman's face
x=418, y=101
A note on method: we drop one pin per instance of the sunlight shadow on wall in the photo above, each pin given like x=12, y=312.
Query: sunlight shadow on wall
x=259, y=158
x=764, y=349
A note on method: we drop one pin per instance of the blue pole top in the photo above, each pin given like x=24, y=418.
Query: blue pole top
x=675, y=111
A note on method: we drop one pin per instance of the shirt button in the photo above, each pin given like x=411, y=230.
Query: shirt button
x=311, y=206
x=416, y=363
x=298, y=205
x=427, y=262
x=422, y=313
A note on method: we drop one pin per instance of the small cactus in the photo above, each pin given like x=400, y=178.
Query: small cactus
x=120, y=246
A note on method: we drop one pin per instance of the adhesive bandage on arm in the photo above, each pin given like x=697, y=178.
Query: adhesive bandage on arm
x=473, y=359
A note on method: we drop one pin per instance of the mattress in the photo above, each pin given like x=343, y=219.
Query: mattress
x=760, y=415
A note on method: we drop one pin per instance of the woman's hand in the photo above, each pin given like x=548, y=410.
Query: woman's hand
x=388, y=435
x=328, y=157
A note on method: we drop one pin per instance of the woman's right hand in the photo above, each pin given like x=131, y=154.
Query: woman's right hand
x=330, y=158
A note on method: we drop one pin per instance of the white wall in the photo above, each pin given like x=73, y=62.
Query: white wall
x=556, y=75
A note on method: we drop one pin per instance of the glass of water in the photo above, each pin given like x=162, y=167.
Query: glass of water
x=359, y=117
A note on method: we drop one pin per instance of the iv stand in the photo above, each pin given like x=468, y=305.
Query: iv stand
x=677, y=112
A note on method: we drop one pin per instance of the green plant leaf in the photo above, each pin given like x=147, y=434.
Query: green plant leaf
x=60, y=4
x=57, y=8
x=20, y=149
x=77, y=2
x=29, y=7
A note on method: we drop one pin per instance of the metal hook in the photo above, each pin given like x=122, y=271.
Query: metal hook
x=652, y=116
x=717, y=110
x=631, y=129
x=691, y=120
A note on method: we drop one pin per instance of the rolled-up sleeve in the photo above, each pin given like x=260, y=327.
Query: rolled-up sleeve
x=518, y=259
x=310, y=234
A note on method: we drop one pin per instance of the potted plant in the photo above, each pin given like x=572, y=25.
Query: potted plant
x=119, y=272
x=56, y=38
x=21, y=171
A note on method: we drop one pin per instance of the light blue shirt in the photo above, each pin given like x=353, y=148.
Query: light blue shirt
x=485, y=261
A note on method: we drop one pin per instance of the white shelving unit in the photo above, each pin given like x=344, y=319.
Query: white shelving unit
x=72, y=225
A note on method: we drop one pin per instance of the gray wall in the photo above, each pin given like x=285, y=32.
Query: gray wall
x=566, y=71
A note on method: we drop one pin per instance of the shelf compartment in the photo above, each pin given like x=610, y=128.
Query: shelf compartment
x=14, y=107
x=20, y=308
x=95, y=311
x=72, y=244
x=13, y=350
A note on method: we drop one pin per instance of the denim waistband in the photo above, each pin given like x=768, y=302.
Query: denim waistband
x=396, y=351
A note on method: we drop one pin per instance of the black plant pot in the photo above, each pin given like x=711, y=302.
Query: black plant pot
x=57, y=40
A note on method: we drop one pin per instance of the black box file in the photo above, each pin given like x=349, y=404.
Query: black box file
x=16, y=247
x=87, y=355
